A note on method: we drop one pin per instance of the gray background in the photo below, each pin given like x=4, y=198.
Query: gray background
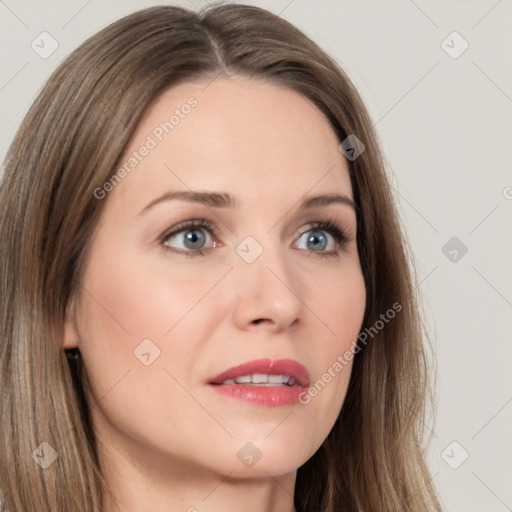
x=445, y=123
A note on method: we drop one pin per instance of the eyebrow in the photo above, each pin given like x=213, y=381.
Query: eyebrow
x=223, y=200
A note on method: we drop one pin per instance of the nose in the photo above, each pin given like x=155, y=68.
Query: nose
x=266, y=294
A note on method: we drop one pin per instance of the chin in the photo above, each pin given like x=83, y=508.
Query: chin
x=275, y=454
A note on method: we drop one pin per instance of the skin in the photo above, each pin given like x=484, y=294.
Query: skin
x=166, y=440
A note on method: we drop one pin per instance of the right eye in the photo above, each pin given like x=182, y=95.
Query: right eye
x=190, y=238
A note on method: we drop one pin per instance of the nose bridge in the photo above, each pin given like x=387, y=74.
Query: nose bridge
x=263, y=257
x=265, y=282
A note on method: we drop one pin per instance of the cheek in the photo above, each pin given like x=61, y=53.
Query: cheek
x=341, y=307
x=345, y=303
x=143, y=300
x=341, y=303
x=126, y=304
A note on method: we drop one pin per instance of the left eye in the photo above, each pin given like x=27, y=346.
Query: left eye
x=316, y=240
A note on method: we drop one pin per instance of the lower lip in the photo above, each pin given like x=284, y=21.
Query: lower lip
x=270, y=396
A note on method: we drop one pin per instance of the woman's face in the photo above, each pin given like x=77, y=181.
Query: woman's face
x=165, y=308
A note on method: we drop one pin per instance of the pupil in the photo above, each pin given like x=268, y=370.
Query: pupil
x=194, y=238
x=317, y=240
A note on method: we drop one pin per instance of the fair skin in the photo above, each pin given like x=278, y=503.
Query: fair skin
x=167, y=440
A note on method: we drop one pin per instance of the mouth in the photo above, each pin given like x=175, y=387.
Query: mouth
x=263, y=381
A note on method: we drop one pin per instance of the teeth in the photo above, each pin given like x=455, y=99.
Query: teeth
x=277, y=379
x=244, y=379
x=259, y=378
x=262, y=378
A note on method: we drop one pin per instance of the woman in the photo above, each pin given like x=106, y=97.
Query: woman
x=205, y=292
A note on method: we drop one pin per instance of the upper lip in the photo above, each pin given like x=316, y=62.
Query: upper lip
x=266, y=366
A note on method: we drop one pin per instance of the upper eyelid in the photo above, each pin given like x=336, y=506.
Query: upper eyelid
x=189, y=224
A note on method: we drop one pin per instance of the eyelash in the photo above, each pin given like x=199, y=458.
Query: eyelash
x=330, y=226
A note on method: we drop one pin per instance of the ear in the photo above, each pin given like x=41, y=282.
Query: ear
x=70, y=331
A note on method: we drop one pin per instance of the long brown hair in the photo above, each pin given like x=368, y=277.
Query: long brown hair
x=70, y=143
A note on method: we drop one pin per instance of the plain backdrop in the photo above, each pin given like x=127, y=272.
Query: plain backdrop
x=437, y=79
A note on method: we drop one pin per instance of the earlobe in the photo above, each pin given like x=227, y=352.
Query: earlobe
x=70, y=336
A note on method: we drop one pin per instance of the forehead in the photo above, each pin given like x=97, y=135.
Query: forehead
x=250, y=138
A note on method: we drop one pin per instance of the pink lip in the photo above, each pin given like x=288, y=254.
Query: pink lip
x=271, y=396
